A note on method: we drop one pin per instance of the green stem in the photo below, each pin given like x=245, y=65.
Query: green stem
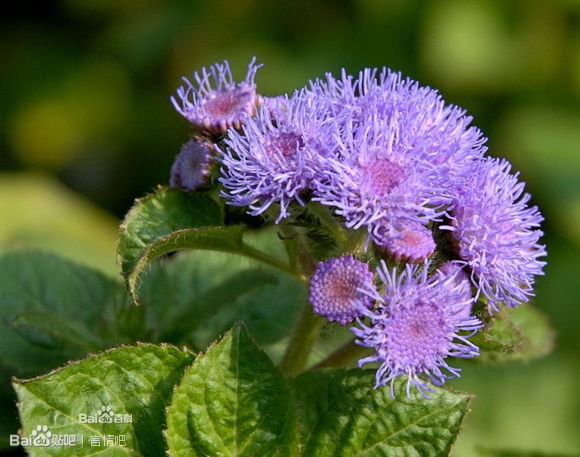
x=343, y=356
x=301, y=342
x=309, y=324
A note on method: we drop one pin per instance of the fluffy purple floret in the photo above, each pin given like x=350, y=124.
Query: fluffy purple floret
x=497, y=234
x=419, y=322
x=192, y=166
x=274, y=156
x=426, y=126
x=372, y=177
x=334, y=289
x=212, y=101
x=400, y=149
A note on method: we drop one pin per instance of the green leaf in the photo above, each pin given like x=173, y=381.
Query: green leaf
x=173, y=290
x=160, y=214
x=521, y=333
x=56, y=329
x=136, y=381
x=170, y=220
x=222, y=239
x=342, y=415
x=214, y=300
x=232, y=402
x=53, y=310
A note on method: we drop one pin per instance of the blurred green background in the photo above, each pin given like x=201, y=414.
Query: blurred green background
x=86, y=126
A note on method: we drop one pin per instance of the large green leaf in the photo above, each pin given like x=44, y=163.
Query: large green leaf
x=522, y=333
x=195, y=296
x=171, y=220
x=136, y=381
x=232, y=402
x=342, y=415
x=53, y=310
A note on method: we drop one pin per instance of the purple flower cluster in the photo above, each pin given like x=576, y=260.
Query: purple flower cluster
x=391, y=160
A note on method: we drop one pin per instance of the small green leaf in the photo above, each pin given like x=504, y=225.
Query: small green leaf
x=521, y=333
x=341, y=415
x=160, y=214
x=136, y=381
x=232, y=402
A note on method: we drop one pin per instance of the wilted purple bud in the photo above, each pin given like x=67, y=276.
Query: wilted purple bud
x=497, y=234
x=192, y=166
x=419, y=322
x=334, y=289
x=213, y=102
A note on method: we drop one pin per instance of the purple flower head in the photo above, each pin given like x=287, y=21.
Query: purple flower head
x=421, y=123
x=419, y=322
x=334, y=289
x=406, y=241
x=192, y=166
x=272, y=159
x=497, y=234
x=372, y=178
x=214, y=102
